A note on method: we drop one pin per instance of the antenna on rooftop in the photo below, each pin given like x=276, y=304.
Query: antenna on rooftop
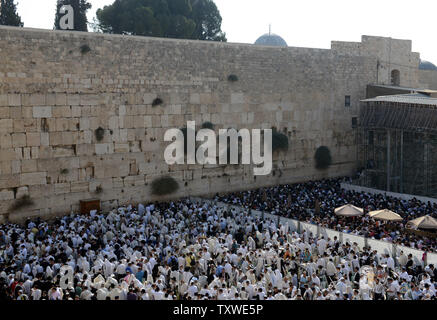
x=270, y=29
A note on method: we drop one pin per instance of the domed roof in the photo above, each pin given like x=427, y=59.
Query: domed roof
x=426, y=65
x=271, y=39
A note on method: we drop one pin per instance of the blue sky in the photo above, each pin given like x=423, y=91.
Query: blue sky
x=308, y=23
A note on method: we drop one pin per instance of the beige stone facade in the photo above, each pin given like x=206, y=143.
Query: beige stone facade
x=53, y=97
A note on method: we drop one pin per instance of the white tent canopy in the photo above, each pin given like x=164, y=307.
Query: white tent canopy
x=425, y=222
x=386, y=215
x=348, y=211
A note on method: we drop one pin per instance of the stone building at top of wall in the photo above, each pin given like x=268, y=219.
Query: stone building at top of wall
x=396, y=63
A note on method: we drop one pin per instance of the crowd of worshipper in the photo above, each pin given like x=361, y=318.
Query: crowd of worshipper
x=194, y=250
x=298, y=201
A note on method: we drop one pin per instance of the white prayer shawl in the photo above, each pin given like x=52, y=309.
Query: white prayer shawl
x=102, y=293
x=49, y=272
x=110, y=281
x=280, y=296
x=251, y=243
x=116, y=292
x=98, y=281
x=86, y=295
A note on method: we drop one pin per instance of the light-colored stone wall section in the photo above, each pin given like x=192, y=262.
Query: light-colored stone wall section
x=392, y=54
x=53, y=97
x=428, y=79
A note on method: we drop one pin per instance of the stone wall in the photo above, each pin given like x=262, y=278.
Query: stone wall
x=428, y=79
x=392, y=54
x=54, y=94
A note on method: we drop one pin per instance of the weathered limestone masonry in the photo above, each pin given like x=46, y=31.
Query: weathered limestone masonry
x=54, y=95
x=428, y=79
x=392, y=54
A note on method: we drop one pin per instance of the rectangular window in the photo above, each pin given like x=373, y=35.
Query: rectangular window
x=354, y=122
x=370, y=138
x=347, y=101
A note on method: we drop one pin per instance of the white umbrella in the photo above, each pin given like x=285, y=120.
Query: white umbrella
x=348, y=211
x=386, y=215
x=425, y=222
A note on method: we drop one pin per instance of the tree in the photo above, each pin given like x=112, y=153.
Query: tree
x=186, y=19
x=8, y=14
x=80, y=8
x=208, y=21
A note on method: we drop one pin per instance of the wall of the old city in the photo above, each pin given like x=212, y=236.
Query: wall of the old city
x=54, y=95
x=392, y=54
x=428, y=79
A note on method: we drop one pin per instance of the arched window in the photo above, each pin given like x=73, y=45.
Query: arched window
x=395, y=78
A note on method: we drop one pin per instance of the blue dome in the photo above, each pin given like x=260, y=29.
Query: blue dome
x=271, y=40
x=426, y=65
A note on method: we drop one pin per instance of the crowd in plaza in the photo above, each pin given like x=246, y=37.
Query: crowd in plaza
x=298, y=201
x=194, y=251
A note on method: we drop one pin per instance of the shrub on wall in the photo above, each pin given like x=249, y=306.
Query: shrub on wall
x=85, y=49
x=207, y=125
x=24, y=201
x=100, y=132
x=157, y=102
x=323, y=157
x=164, y=186
x=232, y=78
x=279, y=141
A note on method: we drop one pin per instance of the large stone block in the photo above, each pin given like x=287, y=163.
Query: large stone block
x=79, y=186
x=33, y=178
x=102, y=148
x=62, y=188
x=5, y=141
x=121, y=147
x=29, y=165
x=6, y=125
x=14, y=100
x=34, y=99
x=33, y=139
x=4, y=112
x=89, y=100
x=42, y=112
x=18, y=140
x=6, y=194
x=4, y=100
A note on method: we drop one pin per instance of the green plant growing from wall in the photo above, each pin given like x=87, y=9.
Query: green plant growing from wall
x=64, y=171
x=24, y=201
x=164, y=186
x=232, y=78
x=207, y=125
x=279, y=141
x=157, y=102
x=99, y=133
x=323, y=158
x=99, y=190
x=84, y=49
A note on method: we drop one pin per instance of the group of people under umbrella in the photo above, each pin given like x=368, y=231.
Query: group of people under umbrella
x=425, y=222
